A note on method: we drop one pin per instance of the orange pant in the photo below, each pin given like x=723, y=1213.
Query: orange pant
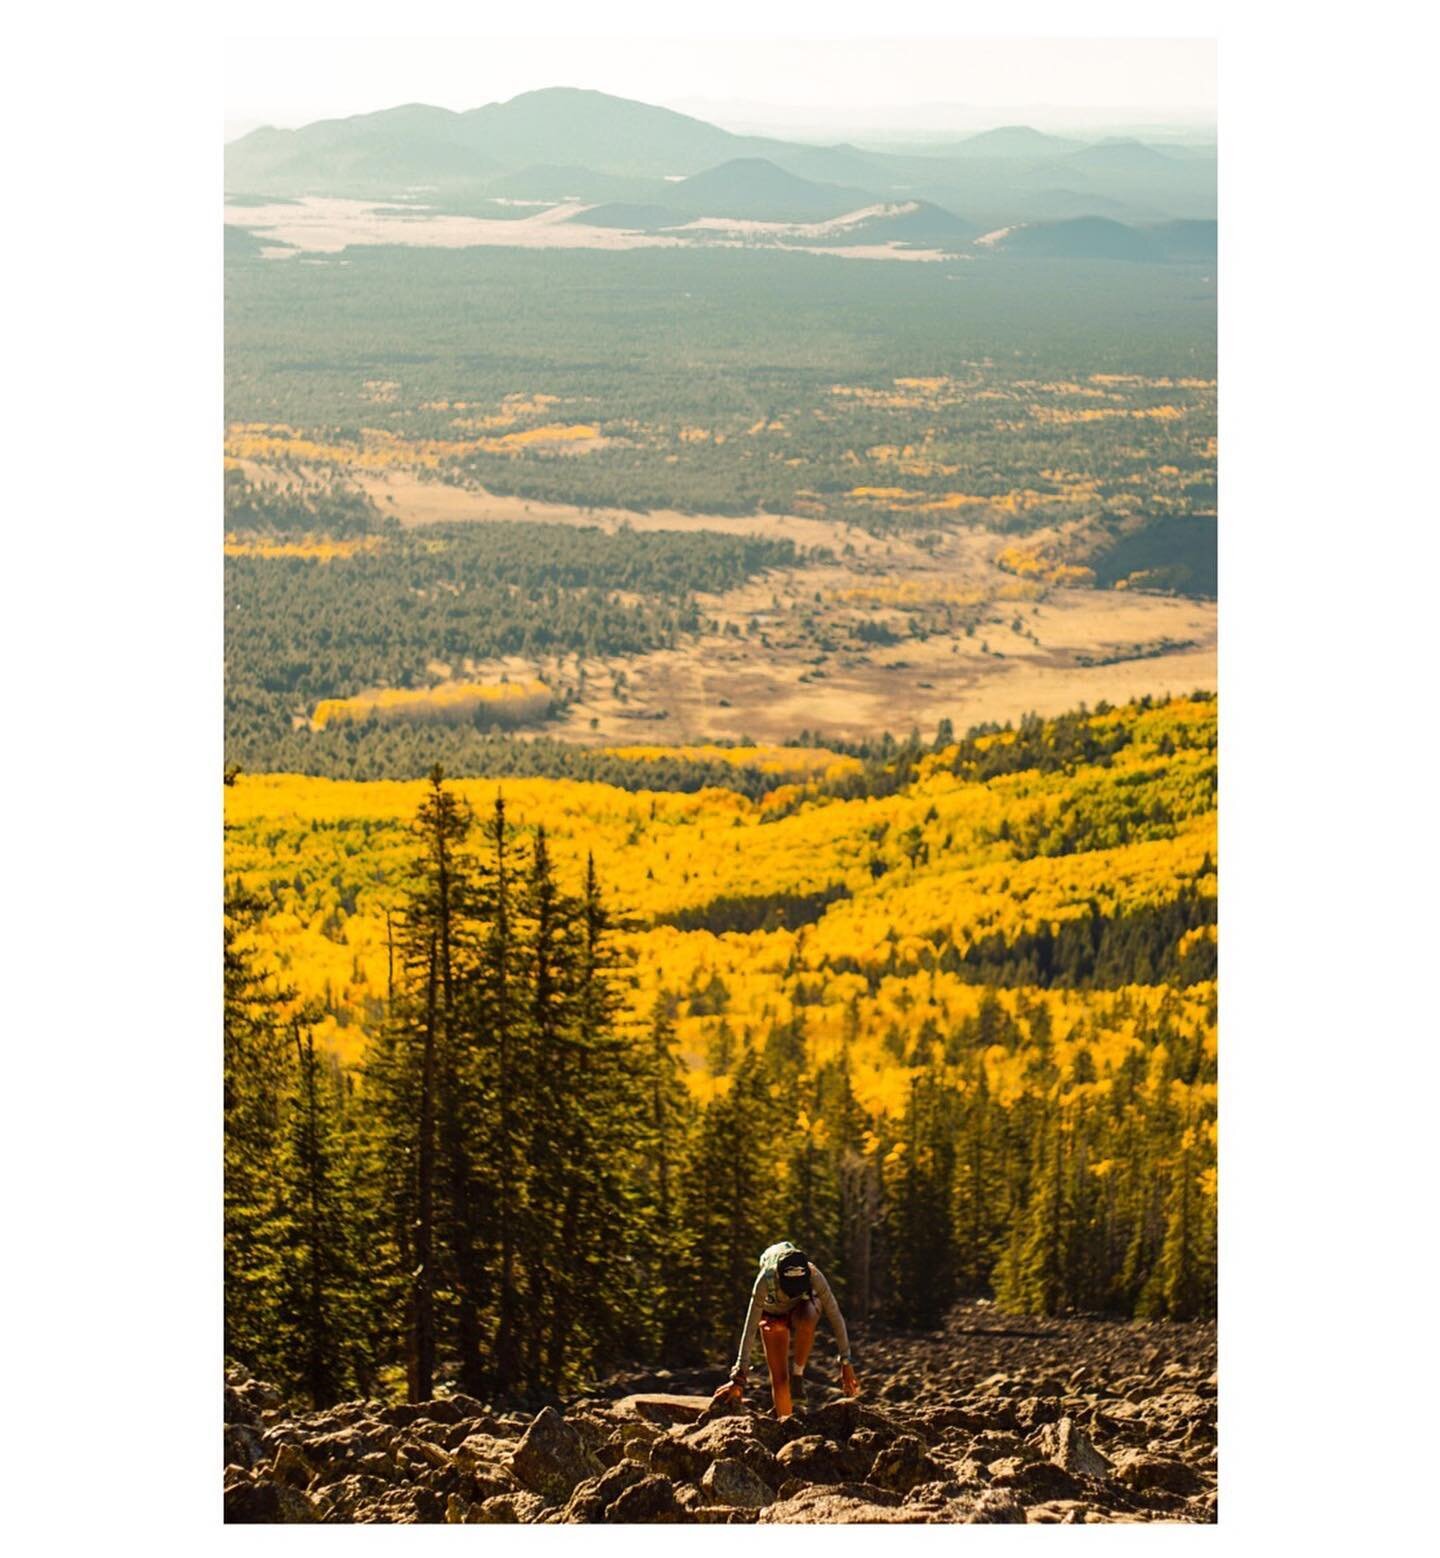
x=775, y=1333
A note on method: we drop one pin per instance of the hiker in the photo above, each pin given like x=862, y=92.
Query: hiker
x=785, y=1305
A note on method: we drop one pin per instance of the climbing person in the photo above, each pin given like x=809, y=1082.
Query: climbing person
x=785, y=1304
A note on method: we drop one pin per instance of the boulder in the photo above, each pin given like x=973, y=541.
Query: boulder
x=731, y=1481
x=995, y=1507
x=259, y=1501
x=847, y=1503
x=1147, y=1473
x=1069, y=1447
x=291, y=1467
x=1058, y=1512
x=1035, y=1410
x=662, y=1409
x=1033, y=1480
x=482, y=1450
x=725, y=1434
x=677, y=1459
x=813, y=1459
x=652, y=1500
x=594, y=1496
x=243, y=1446
x=552, y=1458
x=903, y=1464
x=467, y=1406
x=507, y=1509
x=934, y=1495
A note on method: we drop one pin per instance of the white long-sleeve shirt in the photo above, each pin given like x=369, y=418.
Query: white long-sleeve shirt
x=780, y=1304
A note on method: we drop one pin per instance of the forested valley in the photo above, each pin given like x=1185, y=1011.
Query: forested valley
x=511, y=1097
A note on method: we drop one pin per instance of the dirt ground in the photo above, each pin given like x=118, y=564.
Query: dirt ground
x=329, y=224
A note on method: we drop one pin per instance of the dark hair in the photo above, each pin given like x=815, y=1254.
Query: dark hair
x=793, y=1273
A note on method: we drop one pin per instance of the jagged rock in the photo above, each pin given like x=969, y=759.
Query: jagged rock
x=846, y=1503
x=260, y=1501
x=813, y=1459
x=1148, y=1473
x=677, y=1459
x=663, y=1409
x=427, y=1506
x=902, y=1465
x=291, y=1467
x=594, y=1496
x=243, y=1446
x=932, y=1495
x=731, y=1481
x=1065, y=1380
x=507, y=1509
x=1033, y=1480
x=995, y=1507
x=834, y=1420
x=552, y=1458
x=1057, y=1512
x=421, y=1455
x=652, y=1499
x=1069, y=1447
x=482, y=1450
x=725, y=1434
x=1035, y=1410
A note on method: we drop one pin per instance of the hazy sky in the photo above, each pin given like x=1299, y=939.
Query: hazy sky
x=907, y=84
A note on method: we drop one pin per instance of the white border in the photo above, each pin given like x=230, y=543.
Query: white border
x=1327, y=832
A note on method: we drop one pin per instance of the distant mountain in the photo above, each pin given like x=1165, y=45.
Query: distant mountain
x=610, y=134
x=754, y=189
x=1056, y=205
x=546, y=181
x=1013, y=140
x=632, y=216
x=562, y=142
x=385, y=152
x=1082, y=238
x=402, y=147
x=915, y=222
x=1195, y=241
x=1122, y=157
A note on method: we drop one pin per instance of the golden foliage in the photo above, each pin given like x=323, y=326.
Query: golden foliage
x=508, y=703
x=933, y=864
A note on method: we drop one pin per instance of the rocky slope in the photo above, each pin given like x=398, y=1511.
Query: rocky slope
x=991, y=1419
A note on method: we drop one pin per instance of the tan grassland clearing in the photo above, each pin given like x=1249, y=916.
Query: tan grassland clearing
x=323, y=225
x=789, y=651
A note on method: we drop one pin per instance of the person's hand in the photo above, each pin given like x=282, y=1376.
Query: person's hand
x=733, y=1387
x=848, y=1383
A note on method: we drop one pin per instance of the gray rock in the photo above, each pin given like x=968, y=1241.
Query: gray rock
x=995, y=1507
x=903, y=1464
x=552, y=1459
x=813, y=1459
x=1146, y=1473
x=731, y=1481
x=1069, y=1447
x=508, y=1509
x=291, y=1467
x=594, y=1496
x=651, y=1500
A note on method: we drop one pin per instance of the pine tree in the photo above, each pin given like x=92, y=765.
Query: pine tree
x=315, y=1276
x=728, y=1203
x=255, y=1076
x=664, y=1146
